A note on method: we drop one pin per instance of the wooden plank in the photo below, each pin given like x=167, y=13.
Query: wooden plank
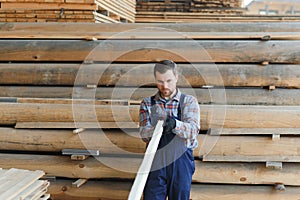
x=21, y=184
x=55, y=125
x=62, y=166
x=171, y=17
x=125, y=168
x=211, y=51
x=111, y=102
x=45, y=6
x=139, y=183
x=106, y=141
x=33, y=189
x=244, y=173
x=191, y=75
x=255, y=131
x=94, y=190
x=82, y=31
x=234, y=96
x=79, y=182
x=212, y=116
x=240, y=148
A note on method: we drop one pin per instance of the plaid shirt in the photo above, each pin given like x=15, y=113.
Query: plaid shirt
x=189, y=126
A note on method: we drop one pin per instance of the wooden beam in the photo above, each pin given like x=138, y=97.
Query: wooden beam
x=236, y=96
x=46, y=6
x=106, y=141
x=255, y=131
x=19, y=29
x=62, y=166
x=126, y=168
x=93, y=190
x=139, y=183
x=240, y=148
x=212, y=116
x=171, y=17
x=149, y=51
x=191, y=75
x=54, y=125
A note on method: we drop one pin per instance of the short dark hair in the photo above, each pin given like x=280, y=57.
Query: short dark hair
x=164, y=66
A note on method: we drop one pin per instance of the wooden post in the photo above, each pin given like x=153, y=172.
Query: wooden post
x=142, y=175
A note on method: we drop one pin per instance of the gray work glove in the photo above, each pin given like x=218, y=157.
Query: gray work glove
x=169, y=124
x=157, y=113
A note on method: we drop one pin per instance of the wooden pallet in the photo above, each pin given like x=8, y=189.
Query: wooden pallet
x=22, y=184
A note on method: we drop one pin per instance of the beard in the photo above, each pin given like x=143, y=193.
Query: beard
x=166, y=93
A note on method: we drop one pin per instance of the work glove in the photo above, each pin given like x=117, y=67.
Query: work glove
x=157, y=113
x=169, y=125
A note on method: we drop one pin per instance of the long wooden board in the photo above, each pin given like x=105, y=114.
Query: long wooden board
x=191, y=75
x=106, y=141
x=236, y=96
x=140, y=180
x=126, y=168
x=249, y=149
x=45, y=6
x=185, y=17
x=150, y=51
x=18, y=184
x=235, y=148
x=93, y=190
x=21, y=29
x=212, y=116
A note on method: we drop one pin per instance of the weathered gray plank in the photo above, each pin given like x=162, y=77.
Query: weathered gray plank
x=220, y=51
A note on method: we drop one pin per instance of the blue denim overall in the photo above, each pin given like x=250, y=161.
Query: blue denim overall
x=172, y=168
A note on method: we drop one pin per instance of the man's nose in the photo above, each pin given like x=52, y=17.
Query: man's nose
x=165, y=85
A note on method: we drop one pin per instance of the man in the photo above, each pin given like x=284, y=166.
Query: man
x=173, y=165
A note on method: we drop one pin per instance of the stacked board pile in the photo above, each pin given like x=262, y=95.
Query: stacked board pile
x=67, y=11
x=216, y=6
x=163, y=6
x=63, y=92
x=166, y=11
x=23, y=184
x=203, y=6
x=114, y=11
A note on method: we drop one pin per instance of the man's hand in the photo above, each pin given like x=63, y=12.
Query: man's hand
x=170, y=124
x=157, y=113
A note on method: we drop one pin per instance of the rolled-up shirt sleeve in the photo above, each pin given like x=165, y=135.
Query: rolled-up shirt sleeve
x=146, y=129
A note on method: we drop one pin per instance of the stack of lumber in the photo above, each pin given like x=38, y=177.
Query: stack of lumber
x=216, y=6
x=203, y=6
x=23, y=184
x=47, y=11
x=60, y=84
x=200, y=11
x=186, y=10
x=101, y=11
x=115, y=11
x=198, y=17
x=163, y=6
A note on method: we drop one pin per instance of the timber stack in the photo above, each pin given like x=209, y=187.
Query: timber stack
x=170, y=11
x=23, y=184
x=101, y=11
x=70, y=101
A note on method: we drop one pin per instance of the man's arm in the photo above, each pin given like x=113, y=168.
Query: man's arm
x=146, y=128
x=189, y=126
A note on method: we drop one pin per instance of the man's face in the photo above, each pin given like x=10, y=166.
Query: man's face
x=166, y=83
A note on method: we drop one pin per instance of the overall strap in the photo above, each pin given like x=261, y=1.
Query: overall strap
x=180, y=106
x=152, y=100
